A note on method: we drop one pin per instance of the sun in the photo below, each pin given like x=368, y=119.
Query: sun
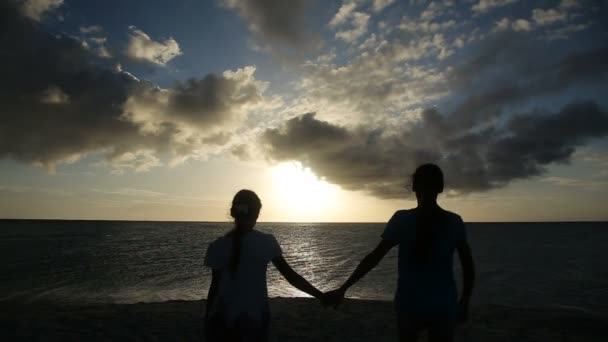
x=301, y=193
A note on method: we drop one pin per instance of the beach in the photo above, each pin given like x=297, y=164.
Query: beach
x=293, y=319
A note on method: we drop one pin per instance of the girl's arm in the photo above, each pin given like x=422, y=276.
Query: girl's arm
x=468, y=273
x=211, y=296
x=367, y=264
x=295, y=279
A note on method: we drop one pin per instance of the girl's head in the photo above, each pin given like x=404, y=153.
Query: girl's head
x=427, y=181
x=245, y=209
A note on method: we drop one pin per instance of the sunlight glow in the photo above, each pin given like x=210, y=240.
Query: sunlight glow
x=300, y=192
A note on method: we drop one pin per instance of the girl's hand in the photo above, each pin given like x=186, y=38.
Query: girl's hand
x=334, y=298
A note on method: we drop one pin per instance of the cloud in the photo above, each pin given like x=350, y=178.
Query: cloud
x=426, y=26
x=35, y=9
x=54, y=95
x=276, y=21
x=486, y=5
x=547, y=17
x=488, y=132
x=563, y=181
x=91, y=29
x=344, y=13
x=510, y=70
x=521, y=25
x=378, y=161
x=436, y=9
x=142, y=47
x=138, y=161
x=569, y=4
x=358, y=22
x=383, y=80
x=566, y=31
x=379, y=5
x=518, y=25
x=60, y=103
x=199, y=104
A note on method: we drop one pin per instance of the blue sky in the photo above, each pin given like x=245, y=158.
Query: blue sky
x=163, y=110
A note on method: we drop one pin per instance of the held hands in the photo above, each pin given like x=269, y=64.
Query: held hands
x=333, y=298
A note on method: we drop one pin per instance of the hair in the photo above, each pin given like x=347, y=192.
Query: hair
x=427, y=181
x=246, y=206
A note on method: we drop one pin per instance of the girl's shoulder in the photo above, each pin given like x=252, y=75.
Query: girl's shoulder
x=452, y=217
x=404, y=213
x=263, y=236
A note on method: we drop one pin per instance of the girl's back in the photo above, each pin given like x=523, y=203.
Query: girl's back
x=242, y=291
x=426, y=285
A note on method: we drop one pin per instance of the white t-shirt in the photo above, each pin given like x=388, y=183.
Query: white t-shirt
x=243, y=291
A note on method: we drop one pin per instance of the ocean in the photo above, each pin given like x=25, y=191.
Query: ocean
x=523, y=265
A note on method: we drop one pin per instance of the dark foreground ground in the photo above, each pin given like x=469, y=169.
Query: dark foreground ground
x=299, y=319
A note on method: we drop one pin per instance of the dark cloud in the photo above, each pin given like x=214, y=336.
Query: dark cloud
x=277, y=21
x=512, y=69
x=60, y=102
x=210, y=99
x=379, y=161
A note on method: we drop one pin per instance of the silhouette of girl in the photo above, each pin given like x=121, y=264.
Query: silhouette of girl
x=237, y=303
x=427, y=236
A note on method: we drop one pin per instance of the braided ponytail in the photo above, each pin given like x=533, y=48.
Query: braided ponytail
x=245, y=210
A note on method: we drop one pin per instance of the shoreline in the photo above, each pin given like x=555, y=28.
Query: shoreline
x=293, y=319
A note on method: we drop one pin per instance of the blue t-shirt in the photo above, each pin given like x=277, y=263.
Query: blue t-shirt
x=426, y=289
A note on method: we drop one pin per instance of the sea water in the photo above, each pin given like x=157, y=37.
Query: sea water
x=539, y=265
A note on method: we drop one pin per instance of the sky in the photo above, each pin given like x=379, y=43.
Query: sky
x=163, y=110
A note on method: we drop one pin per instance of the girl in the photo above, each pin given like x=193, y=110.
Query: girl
x=427, y=236
x=237, y=303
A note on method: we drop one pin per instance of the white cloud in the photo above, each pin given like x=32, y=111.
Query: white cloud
x=343, y=14
x=502, y=25
x=519, y=25
x=459, y=41
x=138, y=161
x=379, y=5
x=35, y=9
x=54, y=95
x=142, y=47
x=486, y=5
x=97, y=46
x=435, y=9
x=547, y=17
x=562, y=181
x=569, y=4
x=359, y=23
x=91, y=29
x=103, y=52
x=386, y=80
x=426, y=26
x=566, y=31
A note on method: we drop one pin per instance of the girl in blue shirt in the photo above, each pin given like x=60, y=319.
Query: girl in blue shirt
x=427, y=236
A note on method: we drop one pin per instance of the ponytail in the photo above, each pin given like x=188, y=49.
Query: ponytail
x=426, y=220
x=245, y=209
x=235, y=257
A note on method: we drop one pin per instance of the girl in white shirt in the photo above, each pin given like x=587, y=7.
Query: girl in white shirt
x=237, y=303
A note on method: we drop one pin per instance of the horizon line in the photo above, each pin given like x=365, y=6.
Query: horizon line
x=318, y=222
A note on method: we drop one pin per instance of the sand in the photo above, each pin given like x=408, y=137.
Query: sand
x=293, y=319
